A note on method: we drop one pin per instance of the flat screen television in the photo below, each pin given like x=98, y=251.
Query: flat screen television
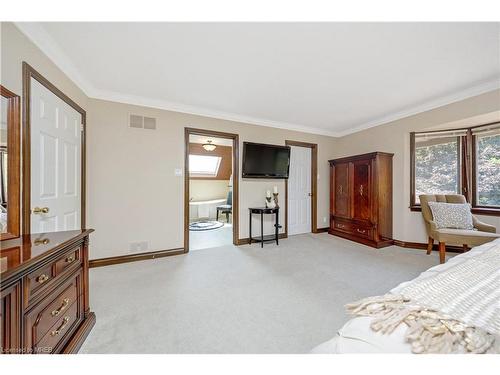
x=265, y=161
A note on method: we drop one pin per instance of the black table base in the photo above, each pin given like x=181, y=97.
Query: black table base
x=268, y=238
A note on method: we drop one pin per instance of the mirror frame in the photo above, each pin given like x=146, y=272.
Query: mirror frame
x=13, y=164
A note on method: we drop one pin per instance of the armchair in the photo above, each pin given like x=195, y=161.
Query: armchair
x=482, y=232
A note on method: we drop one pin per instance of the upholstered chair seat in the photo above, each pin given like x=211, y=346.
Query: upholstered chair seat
x=467, y=238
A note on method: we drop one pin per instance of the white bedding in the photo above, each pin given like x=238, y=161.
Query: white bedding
x=356, y=336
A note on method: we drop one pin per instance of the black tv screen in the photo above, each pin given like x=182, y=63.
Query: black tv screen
x=265, y=161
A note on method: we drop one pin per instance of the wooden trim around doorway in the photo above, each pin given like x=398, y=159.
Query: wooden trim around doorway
x=314, y=185
x=28, y=73
x=236, y=173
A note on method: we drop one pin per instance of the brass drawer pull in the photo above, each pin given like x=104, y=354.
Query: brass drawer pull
x=70, y=259
x=340, y=226
x=42, y=278
x=65, y=303
x=363, y=231
x=61, y=327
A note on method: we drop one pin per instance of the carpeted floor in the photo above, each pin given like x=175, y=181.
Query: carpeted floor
x=200, y=240
x=279, y=299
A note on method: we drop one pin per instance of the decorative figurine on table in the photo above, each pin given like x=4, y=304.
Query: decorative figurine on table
x=270, y=203
x=275, y=194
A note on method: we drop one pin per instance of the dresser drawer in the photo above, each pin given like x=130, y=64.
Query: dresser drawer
x=59, y=303
x=58, y=333
x=344, y=226
x=40, y=280
x=362, y=231
x=69, y=260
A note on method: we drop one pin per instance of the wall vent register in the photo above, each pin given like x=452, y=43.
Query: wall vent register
x=142, y=122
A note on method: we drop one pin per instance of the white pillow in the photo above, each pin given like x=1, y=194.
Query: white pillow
x=451, y=215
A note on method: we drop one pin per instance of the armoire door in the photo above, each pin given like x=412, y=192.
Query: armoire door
x=362, y=190
x=341, y=185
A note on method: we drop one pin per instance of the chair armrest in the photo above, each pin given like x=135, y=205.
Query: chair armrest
x=432, y=226
x=483, y=227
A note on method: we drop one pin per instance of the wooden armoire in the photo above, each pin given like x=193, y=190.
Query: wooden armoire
x=361, y=198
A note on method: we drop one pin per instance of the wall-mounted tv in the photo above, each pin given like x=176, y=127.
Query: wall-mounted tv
x=265, y=161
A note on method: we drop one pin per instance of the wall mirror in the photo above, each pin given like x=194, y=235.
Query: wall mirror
x=9, y=164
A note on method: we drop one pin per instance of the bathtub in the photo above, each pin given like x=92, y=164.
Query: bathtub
x=204, y=209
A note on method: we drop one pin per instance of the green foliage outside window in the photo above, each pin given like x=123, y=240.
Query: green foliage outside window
x=488, y=170
x=436, y=169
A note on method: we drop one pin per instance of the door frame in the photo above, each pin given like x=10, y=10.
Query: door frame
x=235, y=172
x=28, y=73
x=314, y=184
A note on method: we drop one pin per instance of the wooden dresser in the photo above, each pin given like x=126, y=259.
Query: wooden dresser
x=361, y=198
x=44, y=298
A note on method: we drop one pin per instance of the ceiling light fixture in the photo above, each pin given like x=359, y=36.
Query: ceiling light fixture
x=209, y=146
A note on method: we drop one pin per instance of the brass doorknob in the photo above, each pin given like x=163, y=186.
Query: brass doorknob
x=40, y=210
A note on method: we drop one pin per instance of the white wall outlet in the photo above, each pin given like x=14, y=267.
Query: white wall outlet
x=324, y=219
x=178, y=172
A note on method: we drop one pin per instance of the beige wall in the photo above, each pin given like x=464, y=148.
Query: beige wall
x=133, y=194
x=395, y=137
x=205, y=190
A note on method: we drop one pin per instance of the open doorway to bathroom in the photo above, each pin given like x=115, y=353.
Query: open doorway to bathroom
x=211, y=189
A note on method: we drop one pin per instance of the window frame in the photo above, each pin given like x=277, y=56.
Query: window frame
x=468, y=169
x=487, y=210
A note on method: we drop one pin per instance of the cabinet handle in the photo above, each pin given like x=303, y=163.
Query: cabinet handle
x=64, y=304
x=42, y=278
x=363, y=231
x=361, y=190
x=70, y=259
x=61, y=327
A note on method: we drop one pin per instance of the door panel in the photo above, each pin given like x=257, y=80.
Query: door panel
x=361, y=190
x=299, y=191
x=55, y=162
x=342, y=190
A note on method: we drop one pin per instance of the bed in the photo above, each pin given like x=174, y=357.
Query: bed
x=357, y=336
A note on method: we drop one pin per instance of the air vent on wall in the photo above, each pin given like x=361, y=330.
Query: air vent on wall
x=141, y=122
x=149, y=123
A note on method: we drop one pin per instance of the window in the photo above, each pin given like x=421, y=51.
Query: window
x=487, y=167
x=437, y=165
x=464, y=161
x=204, y=166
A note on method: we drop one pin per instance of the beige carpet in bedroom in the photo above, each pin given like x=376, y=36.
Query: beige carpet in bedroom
x=279, y=299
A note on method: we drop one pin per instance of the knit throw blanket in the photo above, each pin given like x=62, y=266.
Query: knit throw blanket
x=454, y=311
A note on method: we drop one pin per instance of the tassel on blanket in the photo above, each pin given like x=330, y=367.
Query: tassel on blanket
x=428, y=331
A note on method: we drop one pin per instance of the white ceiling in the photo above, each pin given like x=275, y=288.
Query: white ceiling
x=325, y=78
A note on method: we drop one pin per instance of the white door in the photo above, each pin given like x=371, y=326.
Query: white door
x=55, y=162
x=299, y=191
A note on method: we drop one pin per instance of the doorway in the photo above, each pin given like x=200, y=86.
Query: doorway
x=301, y=189
x=210, y=189
x=53, y=157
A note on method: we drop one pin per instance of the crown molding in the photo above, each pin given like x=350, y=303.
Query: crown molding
x=478, y=89
x=205, y=112
x=37, y=34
